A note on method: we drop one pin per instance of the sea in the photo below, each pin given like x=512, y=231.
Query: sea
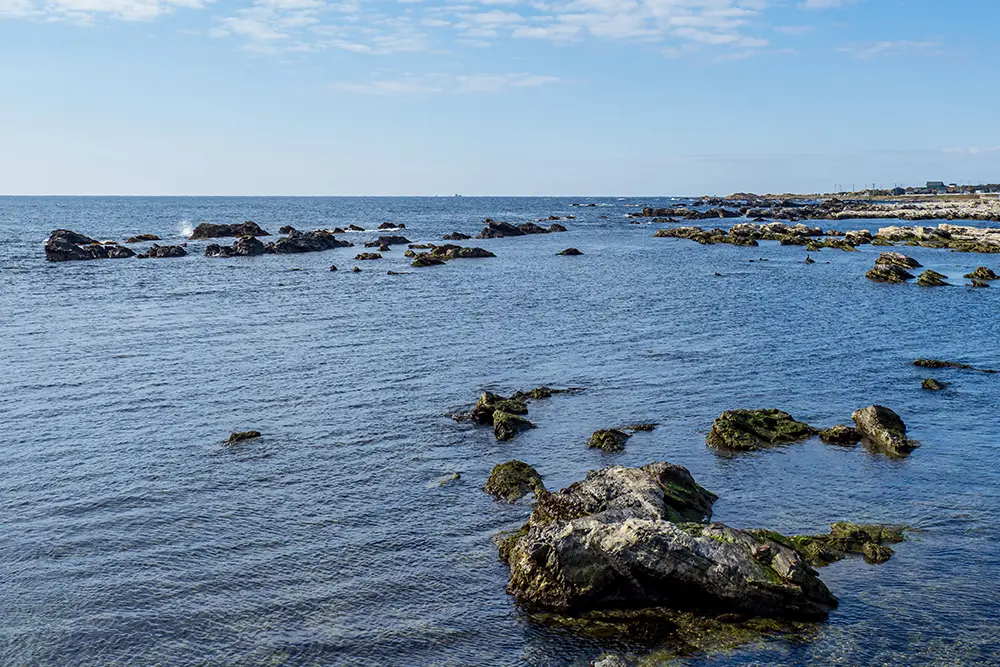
x=132, y=534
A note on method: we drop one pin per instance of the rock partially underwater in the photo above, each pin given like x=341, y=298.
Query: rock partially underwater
x=513, y=480
x=746, y=430
x=64, y=245
x=883, y=430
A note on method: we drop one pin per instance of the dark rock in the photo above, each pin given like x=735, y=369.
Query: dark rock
x=141, y=238
x=207, y=230
x=883, y=430
x=498, y=230
x=616, y=541
x=161, y=251
x=488, y=403
x=64, y=245
x=426, y=259
x=299, y=242
x=746, y=430
x=640, y=427
x=247, y=246
x=513, y=480
x=356, y=269
x=368, y=255
x=610, y=440
x=983, y=274
x=570, y=252
x=840, y=435
x=889, y=274
x=532, y=228
x=932, y=279
x=243, y=436
x=930, y=384
x=387, y=241
x=333, y=267
x=287, y=229
x=557, y=228
x=355, y=228
x=392, y=225
x=456, y=236
x=937, y=363
x=397, y=273
x=507, y=425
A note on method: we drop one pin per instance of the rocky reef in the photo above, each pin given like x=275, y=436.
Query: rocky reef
x=207, y=230
x=840, y=434
x=64, y=245
x=845, y=538
x=439, y=254
x=498, y=230
x=162, y=251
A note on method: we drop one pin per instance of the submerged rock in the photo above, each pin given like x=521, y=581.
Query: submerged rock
x=840, y=435
x=456, y=236
x=616, y=541
x=242, y=436
x=610, y=440
x=746, y=430
x=931, y=278
x=141, y=238
x=207, y=230
x=570, y=252
x=64, y=245
x=387, y=241
x=513, y=480
x=162, y=251
x=930, y=384
x=507, y=425
x=488, y=403
x=884, y=430
x=843, y=539
x=640, y=427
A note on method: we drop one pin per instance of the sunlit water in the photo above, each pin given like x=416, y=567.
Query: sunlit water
x=133, y=536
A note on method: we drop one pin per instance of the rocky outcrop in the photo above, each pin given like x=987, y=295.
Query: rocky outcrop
x=931, y=278
x=365, y=256
x=64, y=245
x=888, y=274
x=747, y=430
x=507, y=425
x=844, y=436
x=242, y=436
x=207, y=230
x=142, y=238
x=425, y=259
x=610, y=440
x=498, y=230
x=930, y=384
x=513, y=480
x=553, y=229
x=299, y=242
x=444, y=253
x=532, y=228
x=570, y=252
x=953, y=237
x=983, y=274
x=392, y=225
x=883, y=430
x=633, y=538
x=387, y=241
x=247, y=246
x=488, y=403
x=897, y=259
x=845, y=538
x=938, y=363
x=456, y=236
x=162, y=251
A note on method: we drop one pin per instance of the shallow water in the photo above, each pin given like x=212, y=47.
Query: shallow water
x=133, y=535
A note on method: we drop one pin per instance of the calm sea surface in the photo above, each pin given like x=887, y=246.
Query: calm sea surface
x=133, y=536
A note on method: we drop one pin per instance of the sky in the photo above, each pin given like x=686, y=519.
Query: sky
x=495, y=97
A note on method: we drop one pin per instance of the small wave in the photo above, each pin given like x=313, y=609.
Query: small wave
x=187, y=228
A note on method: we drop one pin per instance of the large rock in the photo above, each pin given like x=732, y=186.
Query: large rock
x=513, y=480
x=387, y=241
x=888, y=274
x=507, y=425
x=930, y=278
x=983, y=274
x=488, y=403
x=897, y=259
x=247, y=246
x=498, y=230
x=298, y=242
x=64, y=245
x=745, y=430
x=615, y=540
x=207, y=230
x=609, y=439
x=884, y=430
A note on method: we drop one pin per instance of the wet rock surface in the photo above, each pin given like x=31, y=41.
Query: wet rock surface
x=513, y=480
x=609, y=440
x=840, y=434
x=883, y=430
x=207, y=230
x=747, y=430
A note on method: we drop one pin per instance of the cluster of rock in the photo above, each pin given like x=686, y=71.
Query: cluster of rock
x=156, y=251
x=954, y=237
x=499, y=230
x=506, y=414
x=439, y=254
x=845, y=538
x=750, y=430
x=749, y=234
x=891, y=267
x=296, y=242
x=64, y=245
x=638, y=538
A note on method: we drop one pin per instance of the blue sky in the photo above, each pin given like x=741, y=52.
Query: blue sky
x=530, y=97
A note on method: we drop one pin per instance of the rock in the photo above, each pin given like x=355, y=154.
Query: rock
x=640, y=427
x=570, y=252
x=883, y=430
x=333, y=267
x=556, y=228
x=384, y=248
x=610, y=440
x=141, y=238
x=387, y=241
x=845, y=538
x=488, y=403
x=507, y=425
x=937, y=363
x=356, y=269
x=930, y=384
x=498, y=230
x=840, y=435
x=513, y=480
x=747, y=430
x=242, y=436
x=397, y=273
x=444, y=253
x=982, y=274
x=889, y=274
x=368, y=256
x=247, y=246
x=449, y=478
x=207, y=230
x=287, y=229
x=896, y=259
x=426, y=259
x=615, y=541
x=298, y=242
x=532, y=228
x=355, y=228
x=932, y=279
x=64, y=245
x=456, y=236
x=977, y=283
x=161, y=251
x=392, y=225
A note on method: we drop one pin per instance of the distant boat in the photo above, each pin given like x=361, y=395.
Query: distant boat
x=458, y=195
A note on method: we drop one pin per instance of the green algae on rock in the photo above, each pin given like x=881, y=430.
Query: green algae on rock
x=845, y=538
x=840, y=435
x=748, y=430
x=513, y=480
x=930, y=384
x=888, y=274
x=938, y=363
x=610, y=440
x=931, y=278
x=507, y=425
x=482, y=412
x=982, y=273
x=242, y=436
x=884, y=430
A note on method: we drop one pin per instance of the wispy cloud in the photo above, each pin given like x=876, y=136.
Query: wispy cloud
x=410, y=84
x=867, y=50
x=974, y=150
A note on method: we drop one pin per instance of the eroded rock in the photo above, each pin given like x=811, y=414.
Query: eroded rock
x=884, y=430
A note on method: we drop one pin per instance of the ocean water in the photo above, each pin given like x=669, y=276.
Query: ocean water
x=133, y=536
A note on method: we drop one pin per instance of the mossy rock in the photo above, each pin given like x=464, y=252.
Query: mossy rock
x=513, y=480
x=876, y=554
x=930, y=384
x=840, y=435
x=489, y=403
x=242, y=436
x=425, y=259
x=643, y=427
x=889, y=274
x=507, y=425
x=883, y=430
x=982, y=273
x=931, y=278
x=843, y=539
x=609, y=440
x=747, y=430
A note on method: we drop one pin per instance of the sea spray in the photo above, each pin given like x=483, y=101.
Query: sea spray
x=187, y=229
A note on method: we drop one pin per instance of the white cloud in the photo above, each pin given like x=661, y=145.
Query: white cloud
x=868, y=50
x=450, y=84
